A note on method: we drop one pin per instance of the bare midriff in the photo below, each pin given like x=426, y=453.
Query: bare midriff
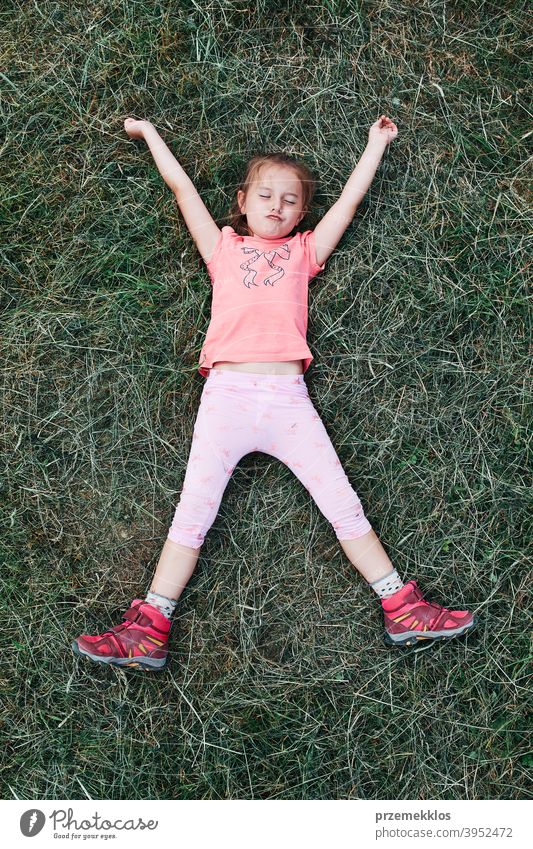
x=285, y=367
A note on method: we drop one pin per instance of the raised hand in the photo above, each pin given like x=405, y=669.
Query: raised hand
x=383, y=130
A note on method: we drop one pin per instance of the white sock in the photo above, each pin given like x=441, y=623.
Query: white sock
x=388, y=585
x=164, y=605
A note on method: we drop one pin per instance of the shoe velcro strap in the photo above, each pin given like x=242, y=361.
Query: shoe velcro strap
x=137, y=616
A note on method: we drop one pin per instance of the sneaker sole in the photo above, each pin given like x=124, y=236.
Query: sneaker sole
x=147, y=664
x=415, y=638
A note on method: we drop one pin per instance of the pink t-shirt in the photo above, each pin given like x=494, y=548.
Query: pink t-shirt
x=259, y=304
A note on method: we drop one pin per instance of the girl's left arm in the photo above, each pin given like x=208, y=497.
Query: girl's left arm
x=331, y=227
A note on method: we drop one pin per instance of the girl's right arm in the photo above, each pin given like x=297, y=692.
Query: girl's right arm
x=202, y=228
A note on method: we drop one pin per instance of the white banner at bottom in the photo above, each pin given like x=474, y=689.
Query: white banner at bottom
x=263, y=824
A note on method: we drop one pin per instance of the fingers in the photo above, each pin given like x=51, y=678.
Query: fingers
x=384, y=119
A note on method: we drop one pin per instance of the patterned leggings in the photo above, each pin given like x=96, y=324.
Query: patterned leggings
x=241, y=412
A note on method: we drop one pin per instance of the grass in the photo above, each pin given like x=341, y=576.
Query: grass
x=279, y=686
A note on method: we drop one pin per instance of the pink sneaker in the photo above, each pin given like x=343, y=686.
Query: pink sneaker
x=410, y=620
x=141, y=640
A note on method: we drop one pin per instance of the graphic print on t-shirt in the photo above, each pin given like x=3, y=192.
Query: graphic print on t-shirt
x=282, y=252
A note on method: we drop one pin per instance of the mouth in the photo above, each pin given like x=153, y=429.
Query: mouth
x=274, y=217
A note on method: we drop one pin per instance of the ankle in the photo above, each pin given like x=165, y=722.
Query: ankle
x=165, y=605
x=388, y=585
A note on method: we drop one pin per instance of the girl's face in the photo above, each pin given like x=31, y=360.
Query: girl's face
x=273, y=205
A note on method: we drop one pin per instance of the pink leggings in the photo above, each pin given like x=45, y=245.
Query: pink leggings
x=241, y=412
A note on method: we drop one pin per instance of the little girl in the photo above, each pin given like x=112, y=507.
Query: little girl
x=255, y=398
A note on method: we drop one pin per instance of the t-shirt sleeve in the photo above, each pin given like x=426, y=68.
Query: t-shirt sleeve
x=309, y=249
x=214, y=263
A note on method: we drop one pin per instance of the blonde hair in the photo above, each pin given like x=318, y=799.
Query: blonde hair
x=237, y=219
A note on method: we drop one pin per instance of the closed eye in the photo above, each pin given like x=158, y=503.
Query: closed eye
x=287, y=201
